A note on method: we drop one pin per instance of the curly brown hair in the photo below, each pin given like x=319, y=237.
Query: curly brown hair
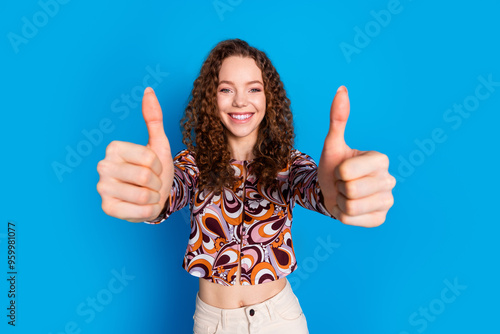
x=205, y=135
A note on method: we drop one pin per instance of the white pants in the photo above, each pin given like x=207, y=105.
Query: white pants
x=279, y=314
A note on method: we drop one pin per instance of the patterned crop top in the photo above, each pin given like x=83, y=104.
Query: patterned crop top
x=247, y=223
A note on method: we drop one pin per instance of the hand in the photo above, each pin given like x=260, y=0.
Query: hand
x=356, y=185
x=135, y=180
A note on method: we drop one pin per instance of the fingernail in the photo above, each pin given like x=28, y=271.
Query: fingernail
x=342, y=88
x=148, y=90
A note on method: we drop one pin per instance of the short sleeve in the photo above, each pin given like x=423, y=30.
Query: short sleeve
x=185, y=180
x=303, y=179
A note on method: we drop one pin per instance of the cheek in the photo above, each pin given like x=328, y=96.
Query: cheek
x=219, y=102
x=260, y=102
x=223, y=102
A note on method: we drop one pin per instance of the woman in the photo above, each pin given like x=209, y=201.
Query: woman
x=241, y=178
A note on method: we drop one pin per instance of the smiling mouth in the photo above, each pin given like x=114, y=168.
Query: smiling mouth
x=241, y=117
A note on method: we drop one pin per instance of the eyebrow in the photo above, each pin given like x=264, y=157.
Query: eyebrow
x=248, y=83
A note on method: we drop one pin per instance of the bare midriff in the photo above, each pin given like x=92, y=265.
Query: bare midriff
x=236, y=296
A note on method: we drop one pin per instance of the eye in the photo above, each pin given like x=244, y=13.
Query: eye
x=255, y=90
x=225, y=90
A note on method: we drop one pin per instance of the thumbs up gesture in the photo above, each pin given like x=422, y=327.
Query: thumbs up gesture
x=356, y=185
x=135, y=180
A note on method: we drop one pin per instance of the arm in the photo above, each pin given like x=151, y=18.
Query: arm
x=305, y=188
x=185, y=177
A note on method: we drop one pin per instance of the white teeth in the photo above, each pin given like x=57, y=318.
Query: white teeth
x=241, y=117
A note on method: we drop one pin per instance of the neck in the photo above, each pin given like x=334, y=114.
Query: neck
x=241, y=148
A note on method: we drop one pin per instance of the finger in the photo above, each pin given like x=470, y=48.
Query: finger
x=129, y=211
x=381, y=201
x=128, y=192
x=339, y=113
x=137, y=175
x=372, y=219
x=118, y=151
x=361, y=165
x=153, y=117
x=366, y=186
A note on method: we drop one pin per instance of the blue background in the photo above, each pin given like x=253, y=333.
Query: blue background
x=68, y=77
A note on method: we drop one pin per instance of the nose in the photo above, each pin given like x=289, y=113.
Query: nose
x=240, y=100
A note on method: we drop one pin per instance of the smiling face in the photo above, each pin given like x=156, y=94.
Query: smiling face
x=241, y=100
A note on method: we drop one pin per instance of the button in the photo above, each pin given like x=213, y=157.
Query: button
x=252, y=312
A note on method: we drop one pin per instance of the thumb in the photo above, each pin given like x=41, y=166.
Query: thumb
x=335, y=149
x=151, y=111
x=158, y=141
x=339, y=113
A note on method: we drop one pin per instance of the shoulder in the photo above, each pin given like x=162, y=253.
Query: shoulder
x=184, y=154
x=300, y=165
x=185, y=159
x=301, y=159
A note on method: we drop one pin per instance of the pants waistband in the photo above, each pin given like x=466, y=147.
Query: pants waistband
x=265, y=308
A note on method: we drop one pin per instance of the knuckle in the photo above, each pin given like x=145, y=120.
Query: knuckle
x=391, y=181
x=148, y=157
x=383, y=161
x=375, y=221
x=112, y=148
x=389, y=201
x=143, y=196
x=380, y=219
x=101, y=188
x=155, y=197
x=344, y=171
x=147, y=212
x=341, y=217
x=144, y=176
x=351, y=189
x=102, y=167
x=351, y=208
x=106, y=207
x=346, y=219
